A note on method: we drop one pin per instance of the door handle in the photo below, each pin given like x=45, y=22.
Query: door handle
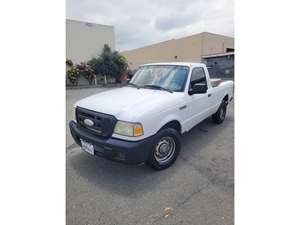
x=182, y=107
x=209, y=95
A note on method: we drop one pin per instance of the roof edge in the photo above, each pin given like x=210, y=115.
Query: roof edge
x=150, y=45
x=80, y=21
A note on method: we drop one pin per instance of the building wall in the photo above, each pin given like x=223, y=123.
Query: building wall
x=85, y=40
x=215, y=44
x=190, y=48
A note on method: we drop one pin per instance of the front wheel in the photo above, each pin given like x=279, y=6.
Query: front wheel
x=219, y=116
x=166, y=149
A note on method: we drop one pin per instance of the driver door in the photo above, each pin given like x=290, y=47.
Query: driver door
x=197, y=104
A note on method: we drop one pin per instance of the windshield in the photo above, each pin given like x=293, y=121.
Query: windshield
x=166, y=76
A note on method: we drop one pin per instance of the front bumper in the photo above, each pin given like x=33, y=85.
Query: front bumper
x=131, y=152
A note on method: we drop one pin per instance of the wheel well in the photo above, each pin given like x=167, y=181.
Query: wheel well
x=173, y=124
x=225, y=98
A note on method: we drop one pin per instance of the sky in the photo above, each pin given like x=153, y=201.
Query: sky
x=138, y=23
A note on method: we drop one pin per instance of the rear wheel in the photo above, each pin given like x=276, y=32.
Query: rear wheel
x=166, y=149
x=220, y=115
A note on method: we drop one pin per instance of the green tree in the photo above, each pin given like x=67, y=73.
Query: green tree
x=120, y=65
x=109, y=64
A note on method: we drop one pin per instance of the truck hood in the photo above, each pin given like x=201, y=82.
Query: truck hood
x=129, y=103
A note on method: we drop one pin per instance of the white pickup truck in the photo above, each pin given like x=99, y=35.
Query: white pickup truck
x=143, y=121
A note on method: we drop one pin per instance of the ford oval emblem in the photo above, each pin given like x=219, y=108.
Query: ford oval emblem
x=88, y=122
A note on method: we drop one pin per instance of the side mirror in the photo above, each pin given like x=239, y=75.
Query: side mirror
x=198, y=89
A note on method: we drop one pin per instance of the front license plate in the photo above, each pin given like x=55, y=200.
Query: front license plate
x=89, y=148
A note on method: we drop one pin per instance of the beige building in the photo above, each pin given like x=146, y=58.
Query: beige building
x=85, y=40
x=191, y=48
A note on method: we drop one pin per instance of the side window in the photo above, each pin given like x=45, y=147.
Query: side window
x=198, y=76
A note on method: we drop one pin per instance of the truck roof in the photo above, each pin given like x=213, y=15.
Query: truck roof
x=190, y=64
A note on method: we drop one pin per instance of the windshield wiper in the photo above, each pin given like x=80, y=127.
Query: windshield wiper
x=133, y=85
x=157, y=87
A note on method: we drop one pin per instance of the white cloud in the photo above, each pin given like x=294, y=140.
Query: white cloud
x=143, y=22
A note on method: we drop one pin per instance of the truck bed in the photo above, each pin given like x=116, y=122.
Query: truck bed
x=215, y=82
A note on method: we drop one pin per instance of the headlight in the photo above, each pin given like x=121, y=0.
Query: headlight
x=128, y=129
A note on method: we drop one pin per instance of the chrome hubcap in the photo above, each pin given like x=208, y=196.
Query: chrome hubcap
x=164, y=150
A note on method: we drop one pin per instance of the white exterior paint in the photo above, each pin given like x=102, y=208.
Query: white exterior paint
x=85, y=40
x=155, y=108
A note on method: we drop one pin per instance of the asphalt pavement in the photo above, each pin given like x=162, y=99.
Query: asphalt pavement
x=199, y=187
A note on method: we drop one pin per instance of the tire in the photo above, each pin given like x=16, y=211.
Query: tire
x=166, y=149
x=220, y=115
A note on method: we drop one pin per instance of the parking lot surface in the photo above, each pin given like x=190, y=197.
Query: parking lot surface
x=199, y=187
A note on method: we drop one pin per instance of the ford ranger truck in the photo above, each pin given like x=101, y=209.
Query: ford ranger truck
x=143, y=121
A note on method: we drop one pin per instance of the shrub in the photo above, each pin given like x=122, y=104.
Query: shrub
x=73, y=75
x=69, y=62
x=86, y=71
